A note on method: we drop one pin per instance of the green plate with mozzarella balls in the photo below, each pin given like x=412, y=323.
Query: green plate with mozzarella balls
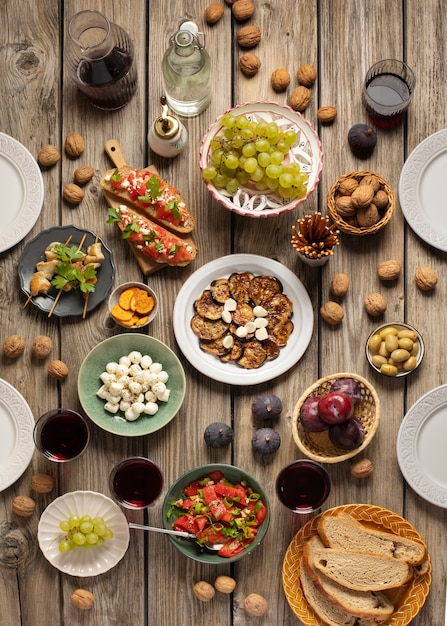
x=100, y=367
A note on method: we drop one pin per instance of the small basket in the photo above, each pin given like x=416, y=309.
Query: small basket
x=342, y=222
x=318, y=446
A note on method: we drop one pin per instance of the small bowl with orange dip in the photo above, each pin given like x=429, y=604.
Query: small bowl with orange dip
x=133, y=305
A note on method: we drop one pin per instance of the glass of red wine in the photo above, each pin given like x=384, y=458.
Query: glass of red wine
x=387, y=91
x=303, y=486
x=136, y=482
x=61, y=435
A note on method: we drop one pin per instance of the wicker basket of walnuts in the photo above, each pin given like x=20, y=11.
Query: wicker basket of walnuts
x=360, y=203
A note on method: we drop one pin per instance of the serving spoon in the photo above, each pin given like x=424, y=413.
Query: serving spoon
x=177, y=533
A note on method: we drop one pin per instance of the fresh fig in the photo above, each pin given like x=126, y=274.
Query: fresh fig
x=266, y=407
x=362, y=140
x=218, y=435
x=265, y=441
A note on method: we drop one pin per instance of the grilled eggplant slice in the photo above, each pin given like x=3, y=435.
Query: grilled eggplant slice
x=208, y=329
x=220, y=290
x=253, y=355
x=207, y=307
x=264, y=287
x=240, y=286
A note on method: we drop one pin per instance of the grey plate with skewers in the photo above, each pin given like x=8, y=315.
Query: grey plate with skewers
x=70, y=302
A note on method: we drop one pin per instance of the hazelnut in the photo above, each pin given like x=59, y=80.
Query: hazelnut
x=249, y=64
x=300, y=98
x=306, y=74
x=83, y=174
x=361, y=468
x=389, y=270
x=248, y=36
x=73, y=194
x=225, y=584
x=243, y=10
x=280, y=79
x=362, y=196
x=213, y=13
x=347, y=186
x=332, y=313
x=327, y=114
x=339, y=285
x=48, y=156
x=41, y=347
x=74, y=145
x=82, y=599
x=57, y=369
x=23, y=506
x=203, y=591
x=42, y=483
x=13, y=346
x=255, y=604
x=425, y=278
x=375, y=304
x=367, y=216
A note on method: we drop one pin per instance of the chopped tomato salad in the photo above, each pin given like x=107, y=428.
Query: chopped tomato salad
x=218, y=511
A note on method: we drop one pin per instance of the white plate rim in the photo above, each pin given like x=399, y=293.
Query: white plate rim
x=409, y=181
x=27, y=215
x=230, y=373
x=407, y=440
x=82, y=562
x=23, y=451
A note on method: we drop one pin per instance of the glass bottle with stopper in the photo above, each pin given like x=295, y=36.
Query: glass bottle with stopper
x=167, y=135
x=186, y=69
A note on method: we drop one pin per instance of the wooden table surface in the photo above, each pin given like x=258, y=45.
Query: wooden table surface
x=40, y=105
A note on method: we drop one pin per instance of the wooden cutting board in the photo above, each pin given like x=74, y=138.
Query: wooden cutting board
x=116, y=155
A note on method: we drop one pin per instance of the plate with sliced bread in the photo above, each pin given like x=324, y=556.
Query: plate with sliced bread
x=356, y=565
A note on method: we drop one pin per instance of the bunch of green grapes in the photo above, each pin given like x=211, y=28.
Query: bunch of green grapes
x=83, y=532
x=249, y=152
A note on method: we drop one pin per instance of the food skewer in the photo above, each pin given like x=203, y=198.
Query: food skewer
x=60, y=290
x=84, y=312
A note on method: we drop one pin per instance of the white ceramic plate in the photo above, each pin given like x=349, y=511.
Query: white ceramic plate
x=231, y=373
x=16, y=440
x=421, y=446
x=423, y=188
x=83, y=562
x=21, y=191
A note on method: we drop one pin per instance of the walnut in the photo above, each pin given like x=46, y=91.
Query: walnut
x=225, y=584
x=306, y=74
x=73, y=194
x=243, y=10
x=339, y=285
x=381, y=200
x=327, y=114
x=332, y=313
x=203, y=591
x=375, y=304
x=255, y=604
x=23, y=506
x=362, y=196
x=41, y=347
x=42, y=483
x=83, y=174
x=248, y=36
x=57, y=369
x=361, y=468
x=347, y=186
x=300, y=98
x=371, y=179
x=425, y=278
x=213, y=13
x=83, y=599
x=280, y=79
x=368, y=216
x=13, y=346
x=389, y=270
x=344, y=206
x=48, y=156
x=74, y=145
x=249, y=64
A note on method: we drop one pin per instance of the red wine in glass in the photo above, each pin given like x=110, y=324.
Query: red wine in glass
x=61, y=435
x=387, y=92
x=136, y=482
x=303, y=486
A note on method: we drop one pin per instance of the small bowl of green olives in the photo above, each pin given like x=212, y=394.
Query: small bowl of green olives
x=395, y=349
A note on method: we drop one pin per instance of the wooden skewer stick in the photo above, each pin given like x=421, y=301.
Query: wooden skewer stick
x=56, y=299
x=84, y=313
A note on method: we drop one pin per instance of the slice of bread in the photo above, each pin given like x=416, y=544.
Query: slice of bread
x=343, y=532
x=371, y=605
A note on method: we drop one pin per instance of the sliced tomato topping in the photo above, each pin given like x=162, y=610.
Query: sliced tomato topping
x=231, y=548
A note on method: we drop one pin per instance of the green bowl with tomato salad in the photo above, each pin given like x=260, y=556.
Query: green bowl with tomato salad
x=208, y=501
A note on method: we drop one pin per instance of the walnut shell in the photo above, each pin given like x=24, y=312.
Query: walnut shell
x=425, y=278
x=344, y=206
x=389, y=270
x=243, y=10
x=203, y=591
x=248, y=36
x=371, y=179
x=42, y=346
x=362, y=196
x=280, y=79
x=249, y=64
x=23, y=506
x=332, y=313
x=57, y=369
x=73, y=194
x=74, y=144
x=82, y=599
x=13, y=346
x=327, y=114
x=48, y=156
x=83, y=174
x=255, y=604
x=225, y=584
x=339, y=285
x=375, y=304
x=361, y=468
x=42, y=483
x=381, y=200
x=368, y=216
x=300, y=98
x=347, y=186
x=213, y=13
x=306, y=74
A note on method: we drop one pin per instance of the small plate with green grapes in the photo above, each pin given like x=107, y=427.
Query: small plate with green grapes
x=261, y=159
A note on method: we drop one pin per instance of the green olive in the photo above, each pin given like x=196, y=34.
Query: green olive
x=378, y=360
x=406, y=332
x=375, y=342
x=387, y=331
x=391, y=342
x=388, y=370
x=409, y=364
x=405, y=343
x=400, y=355
x=415, y=349
x=383, y=351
